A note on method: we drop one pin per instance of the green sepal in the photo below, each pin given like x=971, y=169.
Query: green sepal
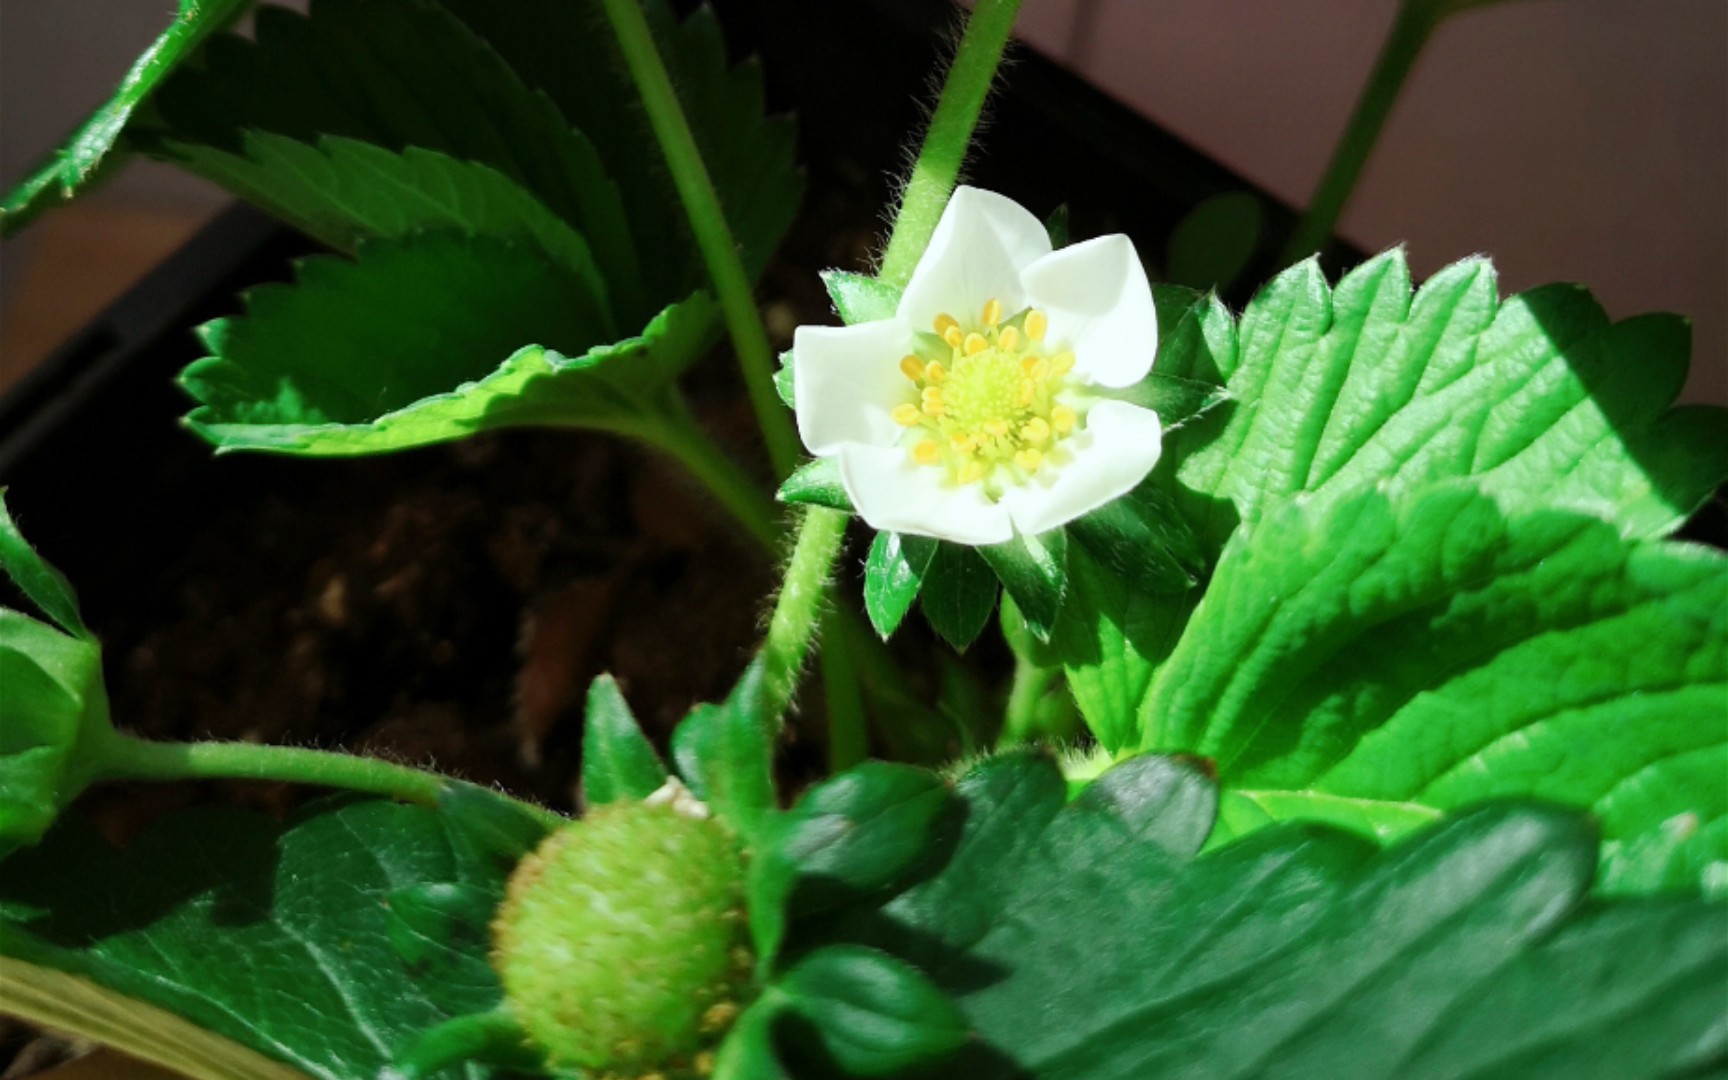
x=783, y=381
x=748, y=1050
x=873, y=1014
x=1215, y=241
x=45, y=586
x=894, y=572
x=860, y=298
x=52, y=699
x=1143, y=539
x=958, y=595
x=817, y=483
x=725, y=753
x=489, y=826
x=1034, y=571
x=848, y=837
x=618, y=761
x=1176, y=400
x=1057, y=225
x=490, y=1038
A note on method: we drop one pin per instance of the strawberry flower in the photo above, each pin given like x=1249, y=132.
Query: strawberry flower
x=981, y=409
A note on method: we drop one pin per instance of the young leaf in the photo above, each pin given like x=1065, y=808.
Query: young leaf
x=816, y=483
x=725, y=753
x=1034, y=571
x=1364, y=660
x=1464, y=950
x=276, y=936
x=860, y=298
x=45, y=586
x=1540, y=398
x=872, y=1013
x=958, y=595
x=618, y=761
x=384, y=353
x=78, y=161
x=893, y=574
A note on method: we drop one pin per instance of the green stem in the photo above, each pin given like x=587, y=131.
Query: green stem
x=681, y=438
x=1022, y=719
x=948, y=138
x=1410, y=32
x=118, y=756
x=793, y=624
x=934, y=175
x=708, y=221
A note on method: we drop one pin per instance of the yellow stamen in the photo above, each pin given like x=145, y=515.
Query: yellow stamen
x=1028, y=391
x=933, y=403
x=1062, y=363
x=996, y=428
x=1036, y=324
x=1008, y=340
x=927, y=452
x=907, y=414
x=971, y=471
x=935, y=374
x=1062, y=419
x=944, y=323
x=963, y=444
x=1035, y=368
x=1029, y=459
x=912, y=368
x=953, y=336
x=975, y=344
x=1037, y=429
x=992, y=312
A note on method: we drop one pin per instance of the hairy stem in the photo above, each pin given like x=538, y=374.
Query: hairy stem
x=118, y=756
x=708, y=222
x=948, y=138
x=934, y=175
x=1410, y=32
x=792, y=627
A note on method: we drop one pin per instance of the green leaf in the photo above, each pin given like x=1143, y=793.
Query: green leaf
x=873, y=1014
x=565, y=48
x=725, y=753
x=274, y=935
x=1540, y=399
x=45, y=586
x=343, y=192
x=848, y=837
x=385, y=353
x=860, y=298
x=1359, y=660
x=1144, y=540
x=490, y=827
x=618, y=761
x=1215, y=241
x=958, y=595
x=86, y=153
x=380, y=72
x=1177, y=401
x=894, y=571
x=1034, y=571
x=748, y=1050
x=1465, y=950
x=489, y=1038
x=817, y=483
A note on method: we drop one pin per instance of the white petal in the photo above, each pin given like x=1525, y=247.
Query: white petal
x=846, y=380
x=891, y=492
x=980, y=246
x=1100, y=305
x=1119, y=446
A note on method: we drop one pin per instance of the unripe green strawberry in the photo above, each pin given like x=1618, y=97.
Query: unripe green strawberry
x=621, y=942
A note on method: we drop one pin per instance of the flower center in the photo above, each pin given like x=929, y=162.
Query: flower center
x=985, y=399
